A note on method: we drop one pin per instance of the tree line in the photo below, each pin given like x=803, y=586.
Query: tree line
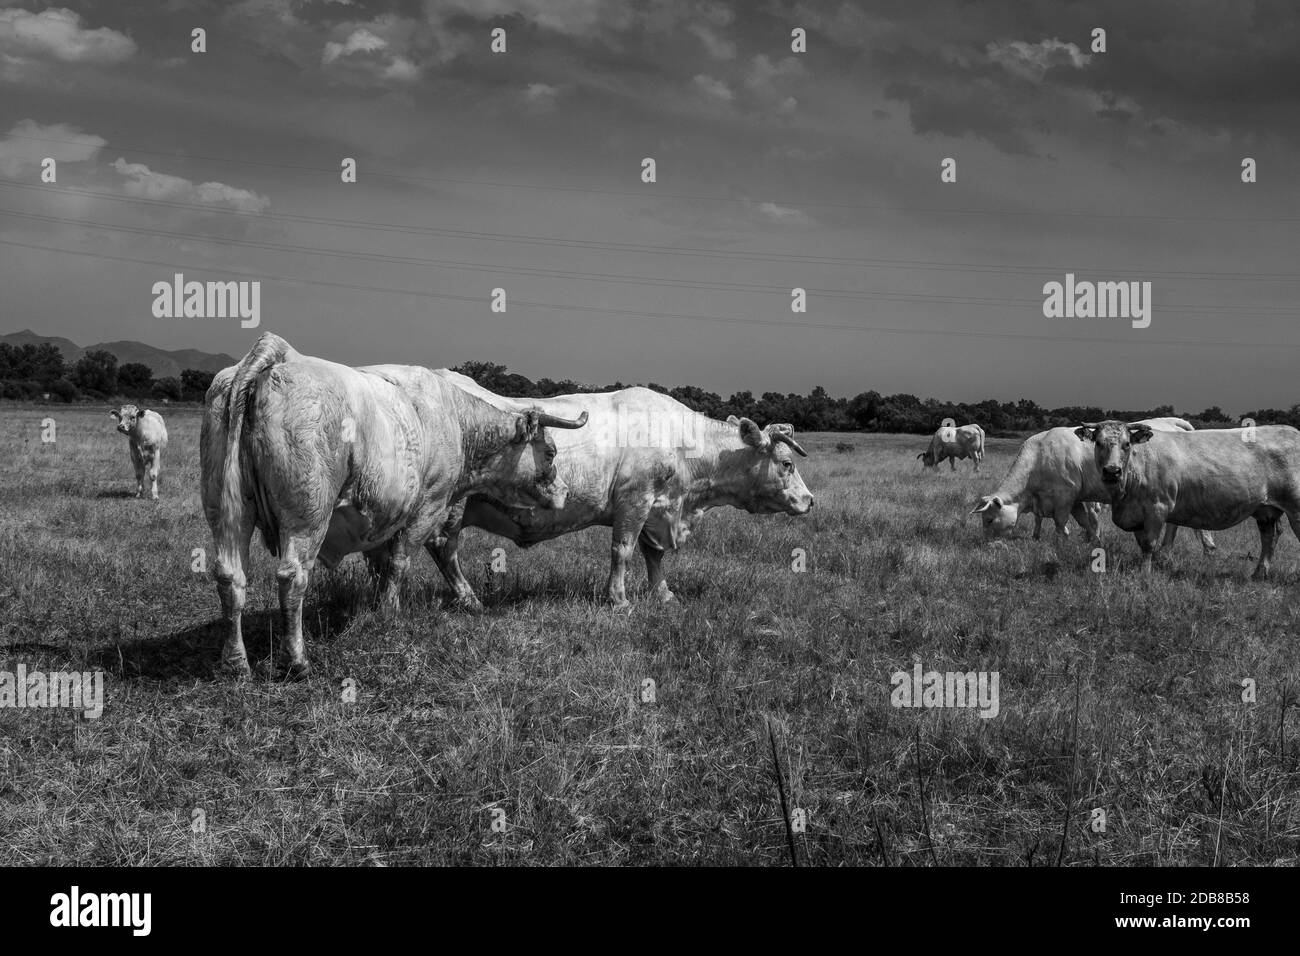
x=870, y=411
x=31, y=372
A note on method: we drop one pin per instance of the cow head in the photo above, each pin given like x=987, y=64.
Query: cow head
x=998, y=515
x=927, y=458
x=1112, y=442
x=769, y=482
x=127, y=416
x=523, y=470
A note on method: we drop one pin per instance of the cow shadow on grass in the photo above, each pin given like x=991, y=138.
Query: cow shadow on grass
x=123, y=493
x=506, y=597
x=193, y=653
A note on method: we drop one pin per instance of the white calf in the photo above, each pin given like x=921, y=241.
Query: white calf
x=148, y=437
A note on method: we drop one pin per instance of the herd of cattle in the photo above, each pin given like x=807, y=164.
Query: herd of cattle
x=325, y=460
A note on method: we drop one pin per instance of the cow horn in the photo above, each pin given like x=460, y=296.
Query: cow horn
x=555, y=421
x=783, y=436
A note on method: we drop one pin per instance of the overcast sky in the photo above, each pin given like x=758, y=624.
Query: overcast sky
x=775, y=169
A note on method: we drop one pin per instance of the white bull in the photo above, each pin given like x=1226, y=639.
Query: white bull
x=954, y=443
x=1055, y=477
x=1211, y=480
x=326, y=460
x=647, y=467
x=147, y=435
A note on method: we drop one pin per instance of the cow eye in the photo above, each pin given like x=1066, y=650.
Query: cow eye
x=788, y=465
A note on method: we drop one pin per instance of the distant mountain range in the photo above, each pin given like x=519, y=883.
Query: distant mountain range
x=162, y=362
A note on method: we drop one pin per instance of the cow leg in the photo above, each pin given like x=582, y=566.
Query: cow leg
x=444, y=549
x=1038, y=526
x=1207, y=542
x=627, y=528
x=1293, y=519
x=297, y=559
x=417, y=531
x=153, y=463
x=232, y=588
x=1171, y=531
x=137, y=462
x=1149, y=539
x=952, y=465
x=1061, y=518
x=654, y=572
x=389, y=563
x=1087, y=521
x=380, y=562
x=1268, y=532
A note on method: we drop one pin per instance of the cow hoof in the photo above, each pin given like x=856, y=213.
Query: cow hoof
x=296, y=671
x=470, y=605
x=235, y=669
x=620, y=604
x=667, y=597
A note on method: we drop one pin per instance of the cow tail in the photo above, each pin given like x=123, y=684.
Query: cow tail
x=268, y=351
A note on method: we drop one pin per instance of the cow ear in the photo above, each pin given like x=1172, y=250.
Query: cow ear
x=751, y=434
x=920, y=455
x=526, y=427
x=139, y=412
x=984, y=505
x=1139, y=433
x=116, y=414
x=1086, y=433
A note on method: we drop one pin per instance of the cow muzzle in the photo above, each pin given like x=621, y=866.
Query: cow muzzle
x=1110, y=473
x=552, y=495
x=799, y=504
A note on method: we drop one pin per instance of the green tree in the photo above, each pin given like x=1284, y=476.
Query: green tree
x=168, y=387
x=135, y=378
x=195, y=382
x=96, y=371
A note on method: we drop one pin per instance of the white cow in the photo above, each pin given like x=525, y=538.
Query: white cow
x=953, y=443
x=647, y=467
x=1211, y=479
x=326, y=460
x=147, y=436
x=1054, y=477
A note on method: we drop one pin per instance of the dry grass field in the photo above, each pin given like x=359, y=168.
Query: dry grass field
x=1115, y=692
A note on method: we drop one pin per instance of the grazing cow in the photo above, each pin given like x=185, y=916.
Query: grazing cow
x=647, y=467
x=147, y=436
x=326, y=460
x=1211, y=479
x=1054, y=476
x=954, y=443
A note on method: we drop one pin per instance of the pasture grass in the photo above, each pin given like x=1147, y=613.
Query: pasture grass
x=532, y=714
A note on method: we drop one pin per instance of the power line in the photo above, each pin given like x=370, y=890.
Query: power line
x=693, y=252
x=500, y=269
x=420, y=293
x=658, y=194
